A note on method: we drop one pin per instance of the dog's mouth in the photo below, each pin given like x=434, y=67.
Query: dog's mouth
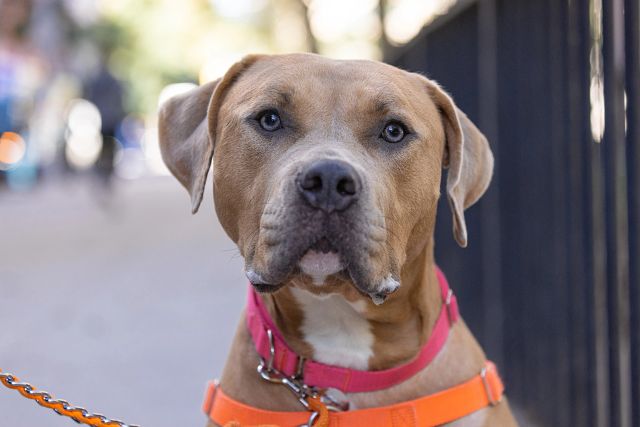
x=321, y=260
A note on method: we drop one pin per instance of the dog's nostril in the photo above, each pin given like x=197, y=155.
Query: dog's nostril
x=312, y=183
x=346, y=187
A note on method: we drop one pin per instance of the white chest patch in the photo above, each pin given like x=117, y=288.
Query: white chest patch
x=335, y=330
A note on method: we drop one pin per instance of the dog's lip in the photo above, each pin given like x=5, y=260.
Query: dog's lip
x=259, y=283
x=266, y=288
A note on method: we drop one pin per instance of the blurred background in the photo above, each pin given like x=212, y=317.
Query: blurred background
x=115, y=297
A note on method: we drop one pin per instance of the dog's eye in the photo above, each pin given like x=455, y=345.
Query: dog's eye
x=393, y=132
x=270, y=121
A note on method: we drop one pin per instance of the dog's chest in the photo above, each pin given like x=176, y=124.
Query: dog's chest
x=335, y=330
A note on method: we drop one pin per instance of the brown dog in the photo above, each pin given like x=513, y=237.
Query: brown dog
x=327, y=176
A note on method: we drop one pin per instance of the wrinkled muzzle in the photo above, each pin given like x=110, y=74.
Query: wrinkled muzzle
x=322, y=221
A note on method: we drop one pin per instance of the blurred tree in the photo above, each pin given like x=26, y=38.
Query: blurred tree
x=384, y=38
x=312, y=43
x=154, y=43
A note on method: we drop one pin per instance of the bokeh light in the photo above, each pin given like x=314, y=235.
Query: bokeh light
x=333, y=20
x=12, y=150
x=174, y=89
x=238, y=8
x=406, y=18
x=83, y=139
x=216, y=65
x=129, y=163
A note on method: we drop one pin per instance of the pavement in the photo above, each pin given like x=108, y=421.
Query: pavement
x=123, y=303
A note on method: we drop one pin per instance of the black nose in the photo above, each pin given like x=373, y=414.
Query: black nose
x=329, y=185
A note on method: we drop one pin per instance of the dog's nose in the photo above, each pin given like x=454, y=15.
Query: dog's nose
x=329, y=185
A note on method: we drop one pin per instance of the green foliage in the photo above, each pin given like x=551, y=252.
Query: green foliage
x=151, y=43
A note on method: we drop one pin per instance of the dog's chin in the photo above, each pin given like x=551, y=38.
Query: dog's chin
x=319, y=265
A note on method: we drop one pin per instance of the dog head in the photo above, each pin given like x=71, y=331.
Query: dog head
x=326, y=173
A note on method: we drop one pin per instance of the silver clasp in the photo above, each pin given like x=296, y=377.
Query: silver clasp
x=295, y=384
x=269, y=373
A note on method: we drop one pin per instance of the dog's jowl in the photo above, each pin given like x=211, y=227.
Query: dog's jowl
x=326, y=174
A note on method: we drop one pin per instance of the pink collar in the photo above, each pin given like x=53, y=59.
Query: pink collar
x=347, y=380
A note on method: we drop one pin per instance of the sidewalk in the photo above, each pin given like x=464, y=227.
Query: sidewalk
x=126, y=308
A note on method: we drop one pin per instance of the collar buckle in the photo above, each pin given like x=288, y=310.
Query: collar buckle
x=487, y=388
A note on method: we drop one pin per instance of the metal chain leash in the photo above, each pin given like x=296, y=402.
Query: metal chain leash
x=61, y=407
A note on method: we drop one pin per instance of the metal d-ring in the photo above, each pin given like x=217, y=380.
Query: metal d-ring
x=312, y=419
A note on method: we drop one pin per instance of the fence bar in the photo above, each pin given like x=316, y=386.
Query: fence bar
x=617, y=217
x=577, y=75
x=632, y=53
x=490, y=216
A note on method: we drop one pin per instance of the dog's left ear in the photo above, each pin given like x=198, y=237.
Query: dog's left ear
x=187, y=126
x=468, y=157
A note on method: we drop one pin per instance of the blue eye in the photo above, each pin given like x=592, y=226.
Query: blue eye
x=393, y=132
x=270, y=121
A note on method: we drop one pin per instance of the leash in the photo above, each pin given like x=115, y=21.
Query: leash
x=61, y=407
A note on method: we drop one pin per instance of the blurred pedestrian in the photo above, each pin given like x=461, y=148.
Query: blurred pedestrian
x=106, y=92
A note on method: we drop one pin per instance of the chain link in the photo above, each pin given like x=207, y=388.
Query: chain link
x=61, y=407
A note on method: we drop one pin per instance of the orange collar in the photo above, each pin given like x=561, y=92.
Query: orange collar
x=483, y=390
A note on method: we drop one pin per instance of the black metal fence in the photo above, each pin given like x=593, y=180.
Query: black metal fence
x=550, y=281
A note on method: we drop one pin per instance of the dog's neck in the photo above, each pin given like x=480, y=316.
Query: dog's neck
x=348, y=330
x=397, y=330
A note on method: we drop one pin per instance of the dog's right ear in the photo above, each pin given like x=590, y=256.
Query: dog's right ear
x=187, y=130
